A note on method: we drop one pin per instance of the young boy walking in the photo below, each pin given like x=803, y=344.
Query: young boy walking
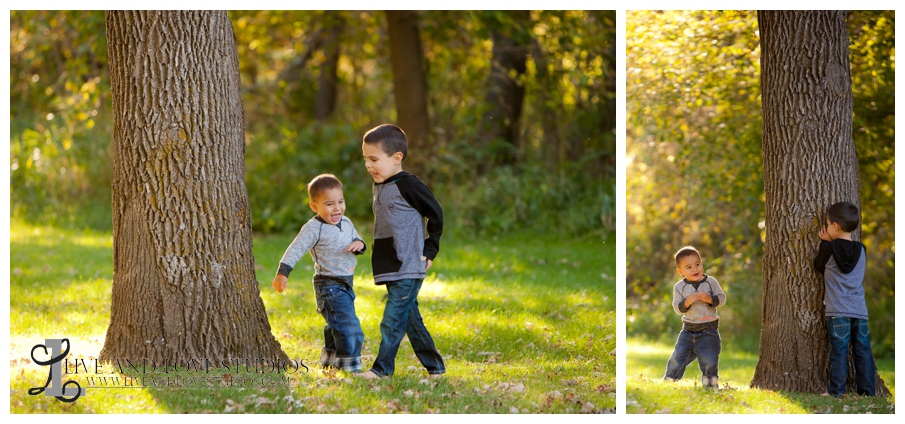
x=696, y=297
x=401, y=254
x=333, y=243
x=842, y=262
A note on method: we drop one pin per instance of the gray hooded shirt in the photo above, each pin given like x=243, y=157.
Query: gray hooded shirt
x=842, y=263
x=404, y=210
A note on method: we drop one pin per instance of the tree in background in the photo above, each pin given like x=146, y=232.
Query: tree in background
x=409, y=84
x=809, y=164
x=328, y=81
x=60, y=118
x=184, y=282
x=505, y=89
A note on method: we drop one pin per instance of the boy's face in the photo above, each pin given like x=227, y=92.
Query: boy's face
x=691, y=267
x=330, y=205
x=832, y=229
x=380, y=165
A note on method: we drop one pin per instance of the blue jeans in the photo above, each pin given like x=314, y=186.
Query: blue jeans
x=701, y=345
x=342, y=334
x=400, y=317
x=841, y=331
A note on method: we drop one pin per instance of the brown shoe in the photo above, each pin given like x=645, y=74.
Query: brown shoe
x=368, y=375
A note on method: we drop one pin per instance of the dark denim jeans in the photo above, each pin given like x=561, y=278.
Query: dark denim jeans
x=400, y=317
x=342, y=334
x=701, y=345
x=843, y=331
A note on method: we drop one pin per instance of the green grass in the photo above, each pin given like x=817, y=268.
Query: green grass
x=646, y=392
x=524, y=322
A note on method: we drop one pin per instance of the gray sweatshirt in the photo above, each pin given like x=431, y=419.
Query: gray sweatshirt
x=327, y=244
x=401, y=205
x=843, y=263
x=699, y=312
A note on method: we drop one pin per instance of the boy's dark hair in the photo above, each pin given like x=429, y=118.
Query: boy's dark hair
x=846, y=214
x=390, y=138
x=322, y=183
x=686, y=251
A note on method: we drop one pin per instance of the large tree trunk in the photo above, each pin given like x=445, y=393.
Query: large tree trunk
x=809, y=164
x=184, y=284
x=505, y=92
x=328, y=81
x=409, y=84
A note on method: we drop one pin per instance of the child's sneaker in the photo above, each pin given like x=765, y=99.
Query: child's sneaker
x=710, y=383
x=327, y=359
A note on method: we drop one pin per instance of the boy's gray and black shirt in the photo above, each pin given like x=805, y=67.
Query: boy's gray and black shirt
x=401, y=205
x=700, y=315
x=327, y=244
x=843, y=263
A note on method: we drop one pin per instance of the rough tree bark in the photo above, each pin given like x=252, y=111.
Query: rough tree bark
x=809, y=164
x=184, y=284
x=409, y=84
x=325, y=102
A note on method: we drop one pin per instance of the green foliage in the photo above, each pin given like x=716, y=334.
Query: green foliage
x=646, y=392
x=873, y=124
x=62, y=166
x=694, y=177
x=523, y=322
x=695, y=166
x=60, y=124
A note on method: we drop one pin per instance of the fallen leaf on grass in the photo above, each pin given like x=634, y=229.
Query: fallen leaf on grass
x=604, y=388
x=570, y=382
x=262, y=401
x=513, y=410
x=408, y=393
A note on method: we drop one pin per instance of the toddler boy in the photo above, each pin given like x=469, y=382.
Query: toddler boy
x=333, y=243
x=696, y=297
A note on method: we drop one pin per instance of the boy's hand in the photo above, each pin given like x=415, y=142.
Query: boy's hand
x=429, y=262
x=356, y=246
x=824, y=234
x=691, y=298
x=280, y=282
x=706, y=298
